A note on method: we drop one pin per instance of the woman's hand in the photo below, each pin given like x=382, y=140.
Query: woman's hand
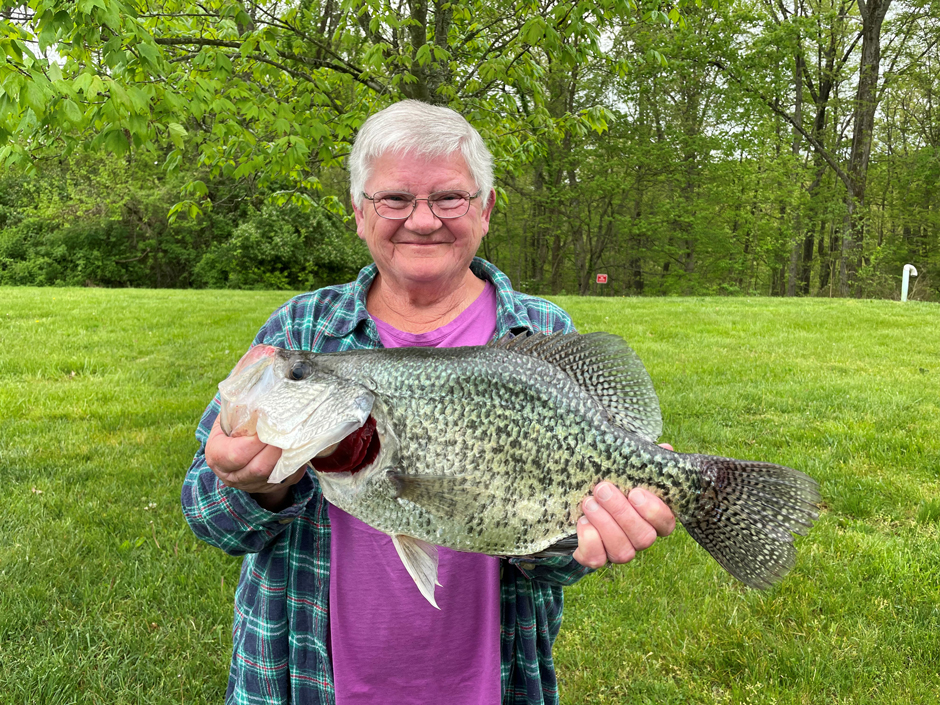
x=246, y=463
x=616, y=527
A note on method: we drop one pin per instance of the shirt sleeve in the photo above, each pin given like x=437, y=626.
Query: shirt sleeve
x=225, y=517
x=544, y=316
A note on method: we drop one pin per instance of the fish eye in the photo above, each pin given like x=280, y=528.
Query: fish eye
x=299, y=370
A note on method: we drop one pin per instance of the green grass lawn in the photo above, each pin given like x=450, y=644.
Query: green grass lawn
x=106, y=597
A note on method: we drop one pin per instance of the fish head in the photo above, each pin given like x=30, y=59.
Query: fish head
x=293, y=402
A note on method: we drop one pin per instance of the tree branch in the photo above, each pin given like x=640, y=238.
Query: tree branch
x=318, y=63
x=772, y=104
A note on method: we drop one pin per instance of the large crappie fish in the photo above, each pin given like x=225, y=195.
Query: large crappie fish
x=492, y=449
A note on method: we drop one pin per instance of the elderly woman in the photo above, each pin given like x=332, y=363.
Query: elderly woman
x=324, y=611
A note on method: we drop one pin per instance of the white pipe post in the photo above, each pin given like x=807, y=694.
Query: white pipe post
x=909, y=270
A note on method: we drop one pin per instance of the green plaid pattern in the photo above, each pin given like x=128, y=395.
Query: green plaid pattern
x=280, y=630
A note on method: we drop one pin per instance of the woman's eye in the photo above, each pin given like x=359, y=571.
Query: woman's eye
x=396, y=200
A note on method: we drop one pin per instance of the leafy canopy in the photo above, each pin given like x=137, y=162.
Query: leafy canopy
x=273, y=92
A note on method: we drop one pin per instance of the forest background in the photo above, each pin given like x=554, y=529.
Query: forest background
x=770, y=147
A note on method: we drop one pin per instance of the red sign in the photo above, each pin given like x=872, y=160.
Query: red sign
x=601, y=278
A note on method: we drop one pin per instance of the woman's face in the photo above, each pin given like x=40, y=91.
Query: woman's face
x=422, y=249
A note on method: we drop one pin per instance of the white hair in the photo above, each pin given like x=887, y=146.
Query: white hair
x=411, y=126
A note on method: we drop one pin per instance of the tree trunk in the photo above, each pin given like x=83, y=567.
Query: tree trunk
x=866, y=102
x=795, y=251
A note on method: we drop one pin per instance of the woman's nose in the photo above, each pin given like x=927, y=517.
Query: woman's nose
x=422, y=217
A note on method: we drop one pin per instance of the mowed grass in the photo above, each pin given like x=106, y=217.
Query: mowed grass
x=106, y=596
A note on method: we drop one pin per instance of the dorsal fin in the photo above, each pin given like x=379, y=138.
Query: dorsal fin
x=605, y=367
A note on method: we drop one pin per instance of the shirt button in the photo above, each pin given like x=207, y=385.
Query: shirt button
x=288, y=520
x=527, y=566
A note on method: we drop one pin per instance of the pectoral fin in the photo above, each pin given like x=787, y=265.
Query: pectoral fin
x=420, y=560
x=439, y=494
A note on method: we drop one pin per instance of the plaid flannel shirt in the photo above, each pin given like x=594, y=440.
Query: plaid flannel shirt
x=280, y=630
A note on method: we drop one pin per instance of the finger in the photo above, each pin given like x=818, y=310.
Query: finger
x=590, y=551
x=639, y=532
x=255, y=473
x=653, y=510
x=266, y=487
x=226, y=454
x=617, y=544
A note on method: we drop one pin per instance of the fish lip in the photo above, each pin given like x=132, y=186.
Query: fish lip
x=254, y=366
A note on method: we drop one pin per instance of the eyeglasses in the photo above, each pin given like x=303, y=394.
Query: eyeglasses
x=399, y=205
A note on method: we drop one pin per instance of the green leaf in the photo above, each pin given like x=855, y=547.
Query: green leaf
x=139, y=99
x=35, y=98
x=242, y=170
x=423, y=55
x=108, y=15
x=118, y=94
x=13, y=84
x=13, y=49
x=223, y=63
x=533, y=31
x=82, y=81
x=72, y=112
x=177, y=133
x=149, y=52
x=173, y=161
x=95, y=87
x=116, y=142
x=63, y=20
x=47, y=35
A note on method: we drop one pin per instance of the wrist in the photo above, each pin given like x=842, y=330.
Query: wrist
x=274, y=501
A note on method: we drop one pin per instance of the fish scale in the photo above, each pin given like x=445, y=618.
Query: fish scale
x=492, y=449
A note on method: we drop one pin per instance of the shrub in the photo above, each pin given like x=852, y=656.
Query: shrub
x=283, y=247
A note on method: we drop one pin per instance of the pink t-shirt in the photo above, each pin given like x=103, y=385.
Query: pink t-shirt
x=389, y=645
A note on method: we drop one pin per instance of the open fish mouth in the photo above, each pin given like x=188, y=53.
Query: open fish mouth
x=358, y=450
x=243, y=388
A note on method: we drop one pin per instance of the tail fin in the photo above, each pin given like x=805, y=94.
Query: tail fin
x=746, y=514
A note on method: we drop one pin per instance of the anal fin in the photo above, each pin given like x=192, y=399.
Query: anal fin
x=420, y=560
